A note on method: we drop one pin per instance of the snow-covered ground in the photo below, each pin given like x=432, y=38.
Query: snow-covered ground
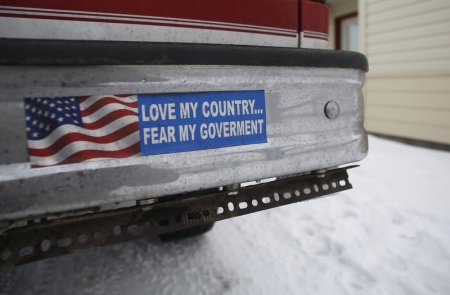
x=389, y=235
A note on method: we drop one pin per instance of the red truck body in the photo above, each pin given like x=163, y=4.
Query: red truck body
x=284, y=23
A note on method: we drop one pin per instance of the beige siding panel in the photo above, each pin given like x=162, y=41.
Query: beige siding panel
x=407, y=56
x=409, y=99
x=407, y=11
x=419, y=68
x=375, y=7
x=408, y=22
x=408, y=130
x=415, y=84
x=423, y=116
x=438, y=30
x=407, y=90
x=407, y=45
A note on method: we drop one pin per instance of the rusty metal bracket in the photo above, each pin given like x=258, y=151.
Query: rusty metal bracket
x=67, y=235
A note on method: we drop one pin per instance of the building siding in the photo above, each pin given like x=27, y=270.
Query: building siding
x=407, y=43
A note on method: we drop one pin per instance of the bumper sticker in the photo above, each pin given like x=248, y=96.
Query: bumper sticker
x=64, y=130
x=183, y=122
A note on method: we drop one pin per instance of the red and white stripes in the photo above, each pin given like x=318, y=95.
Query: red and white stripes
x=40, y=13
x=250, y=22
x=110, y=130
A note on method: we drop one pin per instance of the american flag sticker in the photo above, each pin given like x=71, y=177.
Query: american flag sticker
x=65, y=130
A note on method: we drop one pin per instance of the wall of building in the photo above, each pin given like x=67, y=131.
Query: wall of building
x=339, y=8
x=407, y=90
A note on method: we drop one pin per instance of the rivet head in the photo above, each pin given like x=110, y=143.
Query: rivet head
x=332, y=110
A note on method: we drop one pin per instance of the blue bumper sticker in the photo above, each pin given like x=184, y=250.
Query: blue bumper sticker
x=181, y=122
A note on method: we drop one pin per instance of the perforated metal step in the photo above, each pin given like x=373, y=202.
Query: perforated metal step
x=67, y=235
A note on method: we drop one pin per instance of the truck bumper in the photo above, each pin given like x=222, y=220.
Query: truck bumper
x=301, y=137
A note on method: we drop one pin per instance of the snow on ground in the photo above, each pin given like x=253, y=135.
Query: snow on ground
x=389, y=235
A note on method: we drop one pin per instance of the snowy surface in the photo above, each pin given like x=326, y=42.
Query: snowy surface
x=389, y=235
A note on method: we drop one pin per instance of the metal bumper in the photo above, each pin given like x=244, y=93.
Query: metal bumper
x=301, y=138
